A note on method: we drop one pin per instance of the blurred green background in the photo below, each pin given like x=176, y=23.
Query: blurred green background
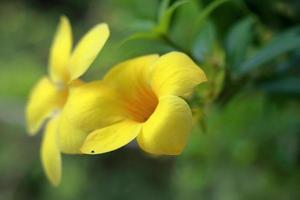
x=245, y=143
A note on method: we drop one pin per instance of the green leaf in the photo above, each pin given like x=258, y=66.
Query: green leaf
x=281, y=44
x=165, y=15
x=201, y=18
x=208, y=10
x=181, y=29
x=237, y=42
x=284, y=86
x=141, y=36
x=204, y=41
x=289, y=65
x=163, y=7
x=141, y=25
x=165, y=18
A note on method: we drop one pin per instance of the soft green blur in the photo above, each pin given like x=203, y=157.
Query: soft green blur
x=245, y=143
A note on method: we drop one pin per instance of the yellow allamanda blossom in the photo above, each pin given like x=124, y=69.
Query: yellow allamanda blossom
x=140, y=98
x=50, y=93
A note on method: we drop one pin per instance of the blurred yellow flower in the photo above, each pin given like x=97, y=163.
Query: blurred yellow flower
x=50, y=93
x=140, y=98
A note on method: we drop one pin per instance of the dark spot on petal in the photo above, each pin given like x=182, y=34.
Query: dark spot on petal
x=92, y=151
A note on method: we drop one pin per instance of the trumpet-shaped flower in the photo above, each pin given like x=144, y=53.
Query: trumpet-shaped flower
x=50, y=93
x=140, y=98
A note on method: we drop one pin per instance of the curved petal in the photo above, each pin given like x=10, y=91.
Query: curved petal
x=166, y=131
x=70, y=138
x=176, y=74
x=60, y=52
x=131, y=81
x=111, y=138
x=50, y=154
x=129, y=74
x=92, y=106
x=87, y=50
x=43, y=101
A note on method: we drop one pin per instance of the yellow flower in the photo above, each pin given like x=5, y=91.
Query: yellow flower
x=140, y=98
x=50, y=93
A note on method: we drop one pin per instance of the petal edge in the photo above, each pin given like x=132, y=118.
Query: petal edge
x=167, y=129
x=87, y=49
x=50, y=154
x=111, y=138
x=176, y=74
x=43, y=101
x=60, y=52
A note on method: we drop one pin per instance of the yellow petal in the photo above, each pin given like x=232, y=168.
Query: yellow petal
x=131, y=81
x=128, y=75
x=176, y=74
x=43, y=101
x=111, y=138
x=70, y=138
x=166, y=131
x=87, y=50
x=60, y=52
x=92, y=106
x=50, y=154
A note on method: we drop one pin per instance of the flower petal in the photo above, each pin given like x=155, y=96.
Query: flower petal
x=87, y=50
x=70, y=138
x=50, y=154
x=166, y=131
x=131, y=81
x=43, y=101
x=92, y=106
x=176, y=74
x=60, y=52
x=111, y=138
x=128, y=75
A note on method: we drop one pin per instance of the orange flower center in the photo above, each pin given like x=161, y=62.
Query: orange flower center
x=142, y=104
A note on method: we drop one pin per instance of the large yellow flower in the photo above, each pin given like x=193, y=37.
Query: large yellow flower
x=140, y=98
x=50, y=93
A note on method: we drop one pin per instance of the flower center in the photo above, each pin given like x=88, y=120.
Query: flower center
x=142, y=104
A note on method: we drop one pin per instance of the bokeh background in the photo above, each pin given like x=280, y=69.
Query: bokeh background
x=245, y=143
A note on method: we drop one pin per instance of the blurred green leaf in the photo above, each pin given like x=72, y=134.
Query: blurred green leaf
x=214, y=68
x=165, y=18
x=165, y=15
x=285, y=86
x=206, y=12
x=281, y=44
x=289, y=65
x=182, y=26
x=204, y=41
x=140, y=36
x=141, y=25
x=238, y=41
x=163, y=7
x=239, y=145
x=209, y=9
